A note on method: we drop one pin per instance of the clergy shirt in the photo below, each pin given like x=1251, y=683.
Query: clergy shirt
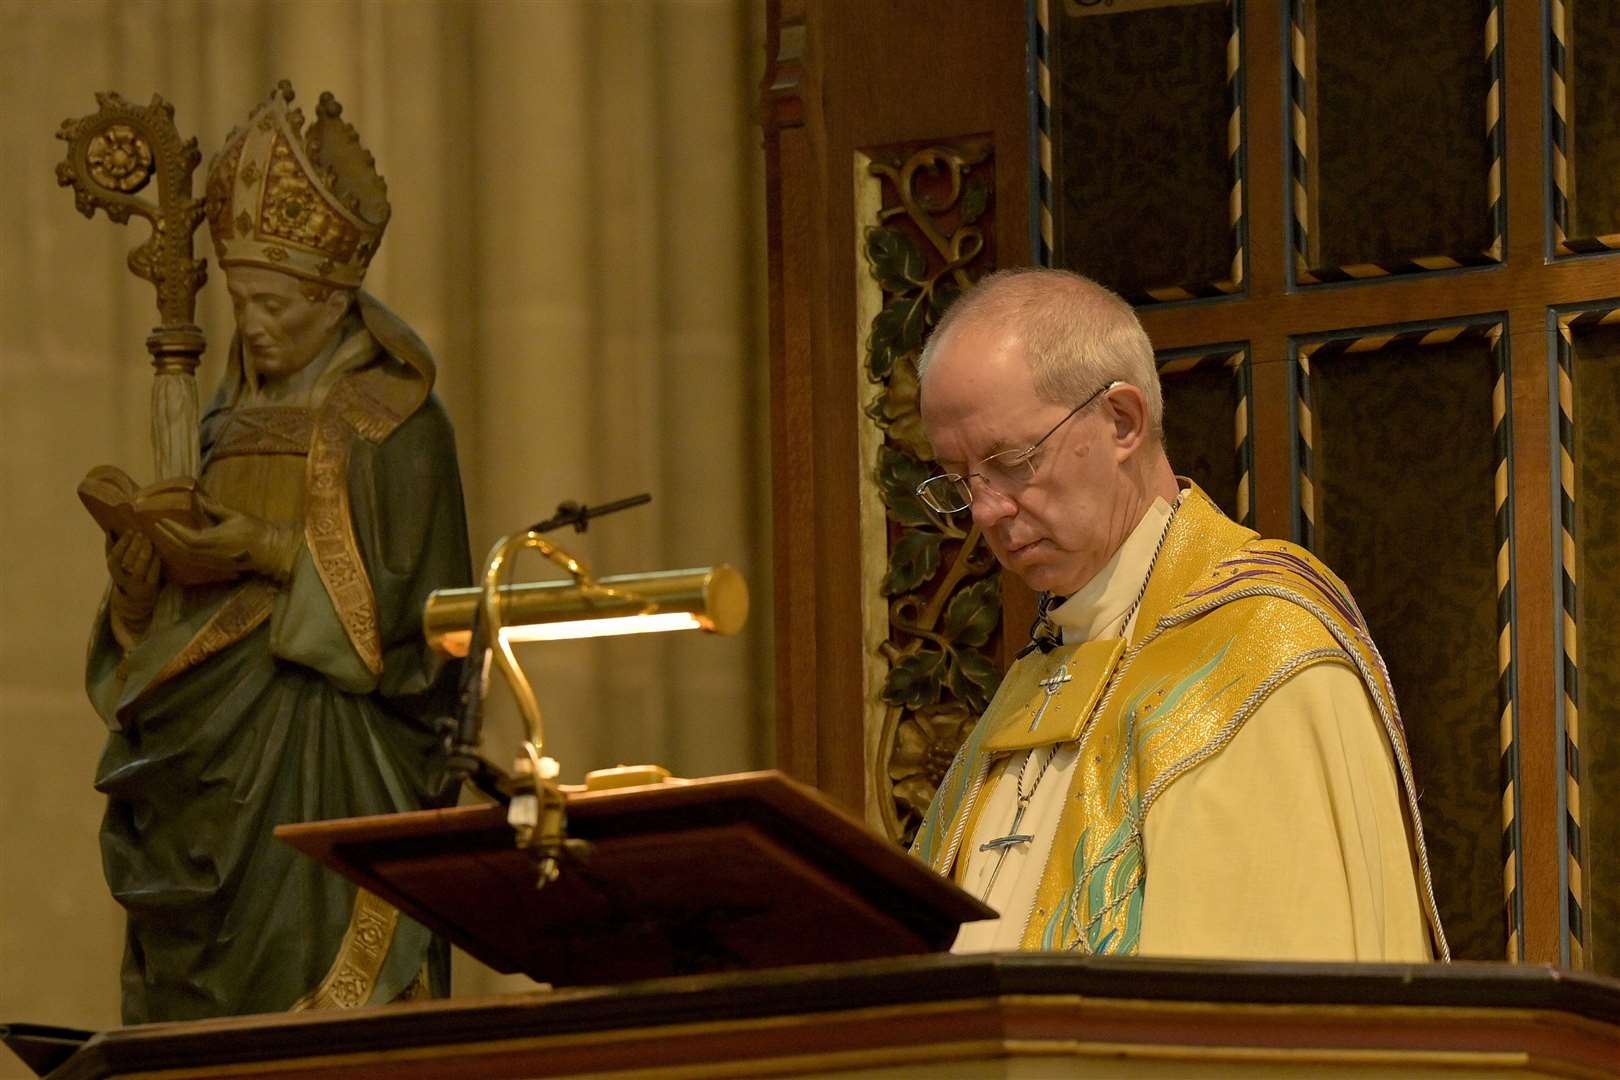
x=1288, y=844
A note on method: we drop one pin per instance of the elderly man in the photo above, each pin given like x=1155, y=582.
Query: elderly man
x=1200, y=755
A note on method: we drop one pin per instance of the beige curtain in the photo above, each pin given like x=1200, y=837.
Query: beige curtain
x=577, y=233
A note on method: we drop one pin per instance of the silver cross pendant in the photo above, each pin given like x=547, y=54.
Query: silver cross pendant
x=1052, y=684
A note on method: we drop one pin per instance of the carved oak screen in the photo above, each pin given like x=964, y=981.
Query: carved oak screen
x=925, y=217
x=1376, y=244
x=1371, y=239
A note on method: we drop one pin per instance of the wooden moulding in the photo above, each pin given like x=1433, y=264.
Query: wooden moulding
x=926, y=1011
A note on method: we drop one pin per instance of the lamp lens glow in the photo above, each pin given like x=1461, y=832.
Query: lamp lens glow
x=663, y=622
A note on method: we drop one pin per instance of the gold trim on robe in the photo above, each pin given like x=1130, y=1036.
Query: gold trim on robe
x=241, y=613
x=350, y=980
x=329, y=533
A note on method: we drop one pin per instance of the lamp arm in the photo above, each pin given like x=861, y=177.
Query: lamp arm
x=540, y=824
x=495, y=571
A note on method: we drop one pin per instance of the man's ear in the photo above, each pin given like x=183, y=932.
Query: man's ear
x=1128, y=412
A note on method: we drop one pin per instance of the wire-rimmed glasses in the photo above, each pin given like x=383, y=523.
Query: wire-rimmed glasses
x=1006, y=472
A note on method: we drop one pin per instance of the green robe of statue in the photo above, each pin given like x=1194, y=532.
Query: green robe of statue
x=262, y=704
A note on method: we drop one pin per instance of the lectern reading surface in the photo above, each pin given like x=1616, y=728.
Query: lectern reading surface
x=728, y=873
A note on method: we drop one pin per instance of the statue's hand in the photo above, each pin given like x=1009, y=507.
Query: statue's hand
x=136, y=572
x=235, y=544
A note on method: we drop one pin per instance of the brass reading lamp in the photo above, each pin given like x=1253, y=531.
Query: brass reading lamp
x=482, y=623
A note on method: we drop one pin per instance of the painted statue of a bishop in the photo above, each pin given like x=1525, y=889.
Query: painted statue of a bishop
x=264, y=662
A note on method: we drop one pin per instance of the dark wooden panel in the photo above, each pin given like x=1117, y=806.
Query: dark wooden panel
x=1396, y=95
x=1405, y=516
x=1593, y=68
x=1595, y=377
x=1202, y=395
x=1140, y=119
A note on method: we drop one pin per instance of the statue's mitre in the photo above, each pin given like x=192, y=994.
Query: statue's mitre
x=308, y=203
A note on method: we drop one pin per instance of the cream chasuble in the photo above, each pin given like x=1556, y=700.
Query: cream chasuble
x=1287, y=843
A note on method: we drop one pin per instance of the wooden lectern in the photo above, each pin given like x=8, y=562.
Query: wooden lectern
x=729, y=873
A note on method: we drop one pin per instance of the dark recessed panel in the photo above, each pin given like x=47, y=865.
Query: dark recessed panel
x=1592, y=68
x=1403, y=477
x=1391, y=124
x=1206, y=425
x=1595, y=378
x=1142, y=156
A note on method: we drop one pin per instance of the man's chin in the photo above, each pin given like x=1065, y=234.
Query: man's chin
x=1027, y=564
x=1041, y=574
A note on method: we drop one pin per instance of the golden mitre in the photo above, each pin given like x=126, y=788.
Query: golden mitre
x=308, y=203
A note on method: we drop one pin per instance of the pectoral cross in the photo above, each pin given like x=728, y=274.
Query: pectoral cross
x=1003, y=844
x=1052, y=684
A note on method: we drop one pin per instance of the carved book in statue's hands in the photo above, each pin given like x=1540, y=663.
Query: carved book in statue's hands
x=119, y=506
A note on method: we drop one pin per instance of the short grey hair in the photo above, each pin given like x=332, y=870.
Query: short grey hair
x=1077, y=334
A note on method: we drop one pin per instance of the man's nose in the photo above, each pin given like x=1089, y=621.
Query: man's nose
x=990, y=506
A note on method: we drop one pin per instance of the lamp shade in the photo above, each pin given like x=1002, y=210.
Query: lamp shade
x=711, y=598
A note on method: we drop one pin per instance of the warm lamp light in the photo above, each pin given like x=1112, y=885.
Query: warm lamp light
x=618, y=626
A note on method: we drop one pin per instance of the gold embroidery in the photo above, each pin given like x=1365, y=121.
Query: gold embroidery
x=237, y=617
x=273, y=430
x=250, y=174
x=365, y=412
x=1178, y=699
x=329, y=532
x=353, y=975
x=1050, y=696
x=294, y=210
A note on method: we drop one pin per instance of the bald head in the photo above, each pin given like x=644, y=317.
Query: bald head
x=1076, y=335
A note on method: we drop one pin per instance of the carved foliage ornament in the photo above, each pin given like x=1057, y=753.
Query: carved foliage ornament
x=941, y=586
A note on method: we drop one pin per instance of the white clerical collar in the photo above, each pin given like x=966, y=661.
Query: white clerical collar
x=1094, y=611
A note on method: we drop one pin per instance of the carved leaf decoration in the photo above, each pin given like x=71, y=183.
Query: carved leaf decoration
x=901, y=413
x=975, y=679
x=924, y=248
x=914, y=682
x=973, y=614
x=975, y=198
x=916, y=792
x=914, y=560
x=898, y=475
x=896, y=260
x=896, y=331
